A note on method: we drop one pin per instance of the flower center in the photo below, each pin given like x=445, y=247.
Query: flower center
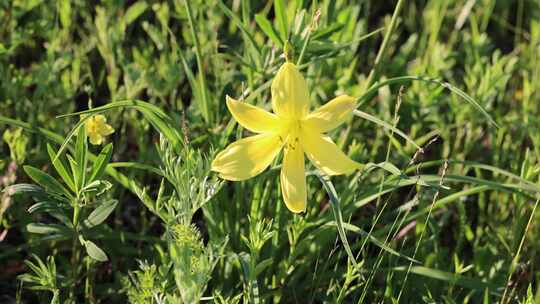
x=292, y=134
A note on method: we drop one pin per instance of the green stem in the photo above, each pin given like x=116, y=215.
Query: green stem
x=515, y=260
x=74, y=264
x=88, y=290
x=426, y=223
x=384, y=45
x=74, y=249
x=202, y=80
x=312, y=26
x=304, y=47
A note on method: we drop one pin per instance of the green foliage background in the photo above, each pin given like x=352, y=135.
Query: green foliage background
x=146, y=221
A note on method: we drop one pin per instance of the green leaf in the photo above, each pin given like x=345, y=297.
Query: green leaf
x=135, y=11
x=268, y=29
x=135, y=165
x=261, y=266
x=100, y=163
x=97, y=187
x=75, y=171
x=95, y=252
x=281, y=16
x=81, y=148
x=53, y=209
x=41, y=206
x=448, y=277
x=65, y=13
x=60, y=168
x=29, y=189
x=31, y=128
x=100, y=214
x=326, y=32
x=387, y=166
x=40, y=228
x=46, y=181
x=336, y=209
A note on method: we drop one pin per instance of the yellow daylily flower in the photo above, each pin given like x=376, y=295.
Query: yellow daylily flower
x=291, y=127
x=97, y=128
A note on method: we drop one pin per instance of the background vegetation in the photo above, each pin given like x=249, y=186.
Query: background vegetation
x=143, y=220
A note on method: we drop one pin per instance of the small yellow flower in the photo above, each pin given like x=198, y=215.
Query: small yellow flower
x=97, y=128
x=291, y=127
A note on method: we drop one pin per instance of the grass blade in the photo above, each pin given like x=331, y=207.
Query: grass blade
x=336, y=209
x=268, y=29
x=450, y=278
x=404, y=79
x=385, y=125
x=280, y=11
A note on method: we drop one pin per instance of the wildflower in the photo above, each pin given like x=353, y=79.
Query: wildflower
x=97, y=128
x=291, y=127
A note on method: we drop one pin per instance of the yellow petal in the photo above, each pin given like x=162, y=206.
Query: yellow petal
x=105, y=130
x=95, y=139
x=89, y=126
x=290, y=96
x=330, y=115
x=247, y=157
x=99, y=119
x=96, y=127
x=293, y=179
x=324, y=153
x=251, y=117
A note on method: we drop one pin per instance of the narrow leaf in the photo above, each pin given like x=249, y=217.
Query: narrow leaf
x=95, y=252
x=100, y=214
x=29, y=189
x=81, y=147
x=336, y=209
x=448, y=277
x=281, y=16
x=268, y=29
x=60, y=168
x=134, y=11
x=46, y=181
x=40, y=228
x=100, y=163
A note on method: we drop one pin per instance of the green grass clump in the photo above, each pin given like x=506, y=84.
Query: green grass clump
x=447, y=126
